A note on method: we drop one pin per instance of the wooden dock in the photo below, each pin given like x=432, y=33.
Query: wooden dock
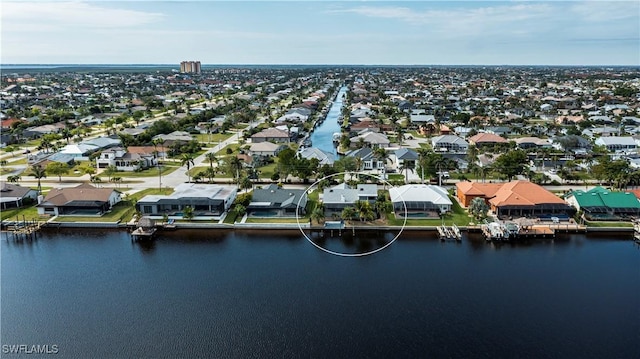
x=25, y=229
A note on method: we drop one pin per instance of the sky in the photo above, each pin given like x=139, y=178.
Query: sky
x=321, y=32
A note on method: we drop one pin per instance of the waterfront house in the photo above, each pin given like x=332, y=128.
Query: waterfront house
x=13, y=196
x=515, y=198
x=208, y=201
x=83, y=200
x=370, y=139
x=420, y=200
x=324, y=158
x=339, y=197
x=600, y=203
x=275, y=201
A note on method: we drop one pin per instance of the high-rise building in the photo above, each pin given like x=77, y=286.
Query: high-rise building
x=190, y=67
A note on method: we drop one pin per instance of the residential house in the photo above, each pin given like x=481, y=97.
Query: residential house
x=449, y=143
x=325, y=158
x=271, y=135
x=600, y=203
x=274, y=201
x=616, y=143
x=515, y=198
x=173, y=138
x=14, y=196
x=370, y=139
x=483, y=139
x=368, y=158
x=532, y=142
x=208, y=201
x=337, y=198
x=405, y=156
x=83, y=200
x=265, y=149
x=124, y=160
x=420, y=200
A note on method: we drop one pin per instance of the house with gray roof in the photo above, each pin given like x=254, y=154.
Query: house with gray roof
x=406, y=155
x=275, y=201
x=209, y=201
x=325, y=158
x=369, y=161
x=271, y=134
x=337, y=198
x=370, y=139
x=617, y=143
x=449, y=143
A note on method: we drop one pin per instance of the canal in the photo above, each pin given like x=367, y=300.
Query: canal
x=322, y=136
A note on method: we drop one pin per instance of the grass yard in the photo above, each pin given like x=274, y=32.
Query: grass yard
x=29, y=213
x=223, y=152
x=600, y=224
x=215, y=138
x=276, y=220
x=458, y=216
x=149, y=172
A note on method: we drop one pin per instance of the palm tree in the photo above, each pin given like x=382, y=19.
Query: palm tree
x=318, y=214
x=187, y=160
x=38, y=172
x=210, y=173
x=110, y=171
x=348, y=213
x=235, y=166
x=406, y=166
x=211, y=157
x=359, y=162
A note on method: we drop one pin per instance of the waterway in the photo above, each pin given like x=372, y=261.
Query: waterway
x=96, y=294
x=322, y=136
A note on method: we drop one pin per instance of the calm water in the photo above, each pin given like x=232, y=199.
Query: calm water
x=249, y=294
x=322, y=136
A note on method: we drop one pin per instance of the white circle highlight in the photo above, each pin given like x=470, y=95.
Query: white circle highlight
x=404, y=223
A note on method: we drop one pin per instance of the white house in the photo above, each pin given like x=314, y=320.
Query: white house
x=420, y=200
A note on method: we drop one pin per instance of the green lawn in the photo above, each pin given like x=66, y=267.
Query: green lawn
x=223, y=152
x=21, y=161
x=276, y=220
x=122, y=211
x=215, y=138
x=149, y=172
x=458, y=216
x=29, y=213
x=268, y=170
x=609, y=224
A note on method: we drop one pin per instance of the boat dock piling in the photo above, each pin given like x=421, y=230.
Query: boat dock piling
x=25, y=229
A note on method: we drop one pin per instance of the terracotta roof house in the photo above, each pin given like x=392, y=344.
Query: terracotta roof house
x=484, y=139
x=83, y=200
x=13, y=196
x=274, y=201
x=601, y=203
x=271, y=135
x=209, y=201
x=515, y=198
x=420, y=200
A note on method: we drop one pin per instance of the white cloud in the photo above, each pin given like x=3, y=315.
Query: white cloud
x=20, y=16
